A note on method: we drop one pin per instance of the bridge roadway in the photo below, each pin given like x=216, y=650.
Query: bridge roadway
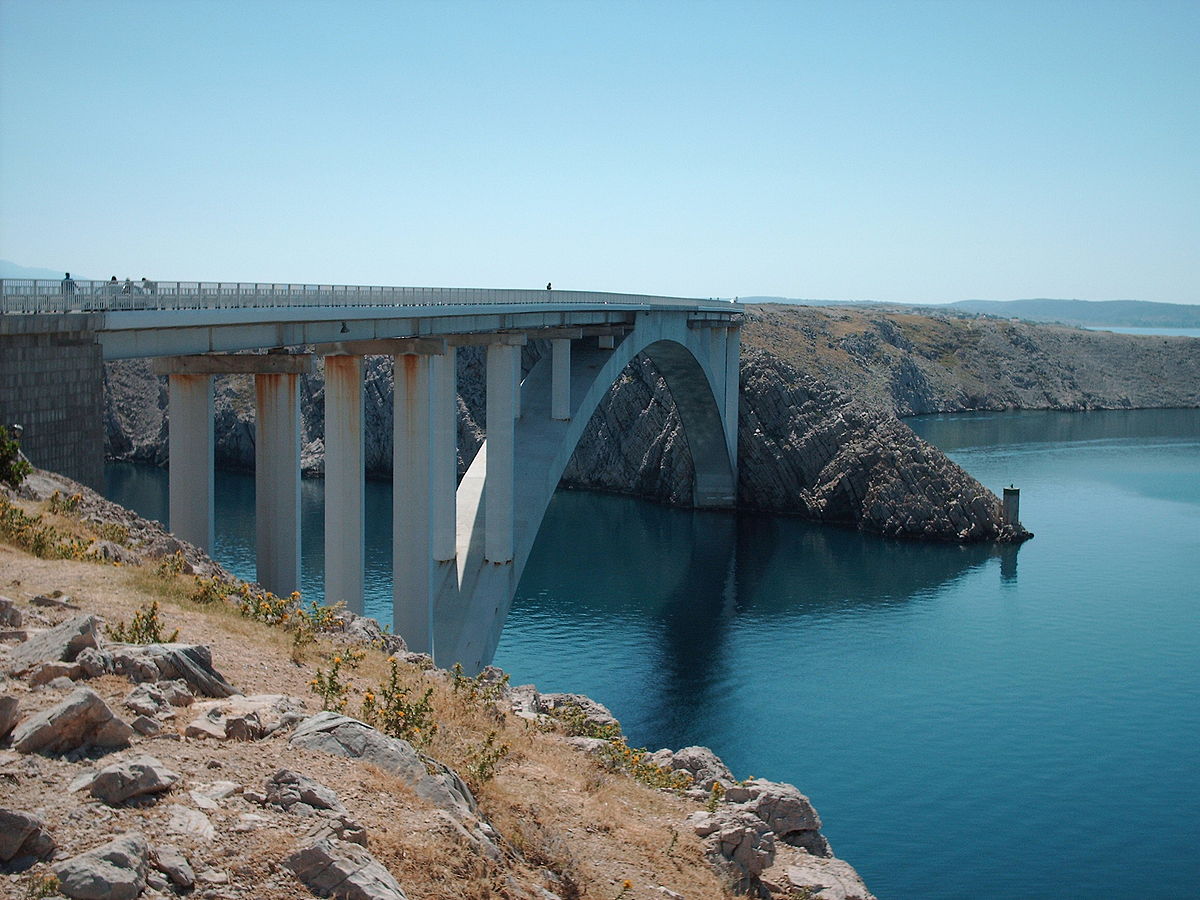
x=458, y=552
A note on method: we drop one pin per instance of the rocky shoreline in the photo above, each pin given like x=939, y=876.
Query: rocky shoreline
x=165, y=768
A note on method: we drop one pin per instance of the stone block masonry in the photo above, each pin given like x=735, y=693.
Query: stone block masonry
x=52, y=384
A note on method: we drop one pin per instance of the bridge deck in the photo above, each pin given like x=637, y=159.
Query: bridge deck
x=27, y=295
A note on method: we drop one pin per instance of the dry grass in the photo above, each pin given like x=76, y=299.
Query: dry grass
x=566, y=824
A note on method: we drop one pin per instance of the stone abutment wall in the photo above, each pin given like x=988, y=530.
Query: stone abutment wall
x=52, y=385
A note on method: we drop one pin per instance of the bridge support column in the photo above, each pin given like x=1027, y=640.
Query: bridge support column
x=277, y=482
x=412, y=510
x=444, y=425
x=560, y=380
x=498, y=498
x=190, y=442
x=733, y=341
x=344, y=481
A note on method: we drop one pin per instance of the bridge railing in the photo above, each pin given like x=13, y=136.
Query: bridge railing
x=29, y=295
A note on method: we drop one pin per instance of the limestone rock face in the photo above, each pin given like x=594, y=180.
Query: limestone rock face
x=81, y=720
x=10, y=615
x=115, y=871
x=704, y=766
x=174, y=865
x=134, y=777
x=796, y=871
x=786, y=811
x=10, y=713
x=191, y=663
x=286, y=789
x=241, y=718
x=739, y=838
x=23, y=834
x=157, y=699
x=61, y=643
x=340, y=735
x=332, y=868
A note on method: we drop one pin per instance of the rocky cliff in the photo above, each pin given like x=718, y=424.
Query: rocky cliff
x=819, y=433
x=929, y=361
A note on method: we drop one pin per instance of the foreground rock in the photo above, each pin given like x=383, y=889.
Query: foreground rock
x=340, y=735
x=59, y=644
x=82, y=720
x=797, y=872
x=332, y=868
x=23, y=836
x=786, y=811
x=190, y=663
x=134, y=777
x=115, y=871
x=241, y=718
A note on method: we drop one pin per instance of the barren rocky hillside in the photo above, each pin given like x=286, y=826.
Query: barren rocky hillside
x=137, y=762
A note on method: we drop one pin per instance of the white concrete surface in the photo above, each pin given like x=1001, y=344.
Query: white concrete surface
x=345, y=475
x=412, y=512
x=190, y=445
x=560, y=352
x=498, y=506
x=277, y=482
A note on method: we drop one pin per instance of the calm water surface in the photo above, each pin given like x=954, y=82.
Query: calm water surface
x=970, y=722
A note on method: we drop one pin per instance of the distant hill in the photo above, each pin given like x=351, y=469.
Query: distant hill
x=1117, y=313
x=1121, y=313
x=9, y=269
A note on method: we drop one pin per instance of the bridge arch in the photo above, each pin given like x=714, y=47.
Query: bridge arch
x=700, y=367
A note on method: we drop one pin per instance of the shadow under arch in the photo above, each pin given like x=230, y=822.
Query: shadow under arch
x=474, y=596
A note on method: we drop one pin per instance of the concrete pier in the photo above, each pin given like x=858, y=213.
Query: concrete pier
x=412, y=509
x=344, y=481
x=277, y=482
x=560, y=402
x=444, y=450
x=498, y=511
x=190, y=444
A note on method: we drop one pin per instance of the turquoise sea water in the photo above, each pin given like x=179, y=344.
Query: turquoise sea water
x=971, y=722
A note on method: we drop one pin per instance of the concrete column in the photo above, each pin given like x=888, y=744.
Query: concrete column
x=733, y=343
x=444, y=425
x=412, y=514
x=716, y=359
x=498, y=511
x=277, y=482
x=560, y=390
x=190, y=443
x=517, y=384
x=344, y=489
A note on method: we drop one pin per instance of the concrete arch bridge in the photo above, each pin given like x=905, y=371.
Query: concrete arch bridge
x=458, y=552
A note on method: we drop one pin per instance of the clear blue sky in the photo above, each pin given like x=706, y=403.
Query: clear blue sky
x=927, y=151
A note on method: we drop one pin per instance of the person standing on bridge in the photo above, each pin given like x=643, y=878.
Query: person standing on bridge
x=68, y=285
x=548, y=287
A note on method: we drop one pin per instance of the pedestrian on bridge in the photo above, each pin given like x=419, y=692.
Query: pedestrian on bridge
x=68, y=285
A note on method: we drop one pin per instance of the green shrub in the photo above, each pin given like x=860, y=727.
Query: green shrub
x=393, y=713
x=13, y=468
x=144, y=628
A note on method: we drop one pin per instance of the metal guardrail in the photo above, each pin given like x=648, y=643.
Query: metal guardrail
x=29, y=295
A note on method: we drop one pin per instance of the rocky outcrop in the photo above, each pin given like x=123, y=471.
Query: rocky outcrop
x=134, y=777
x=930, y=359
x=62, y=643
x=23, y=834
x=114, y=871
x=80, y=721
x=332, y=868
